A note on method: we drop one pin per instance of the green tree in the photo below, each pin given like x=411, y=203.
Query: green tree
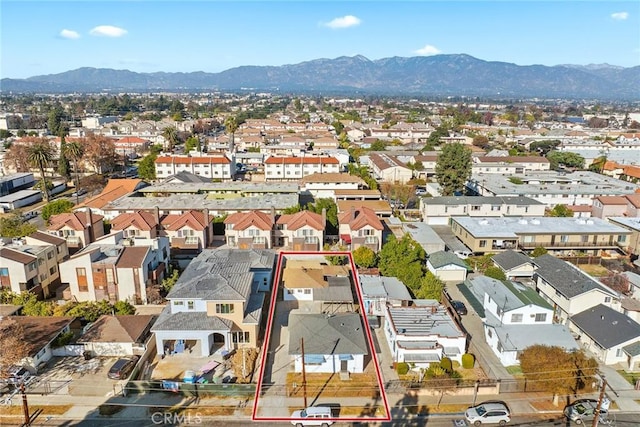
x=39, y=155
x=403, y=259
x=64, y=169
x=15, y=226
x=495, y=273
x=124, y=308
x=170, y=135
x=597, y=165
x=331, y=210
x=431, y=287
x=192, y=143
x=453, y=168
x=565, y=158
x=560, y=211
x=74, y=151
x=539, y=251
x=543, y=147
x=364, y=257
x=231, y=126
x=338, y=126
x=480, y=141
x=147, y=167
x=292, y=210
x=379, y=145
x=54, y=120
x=169, y=282
x=434, y=137
x=56, y=207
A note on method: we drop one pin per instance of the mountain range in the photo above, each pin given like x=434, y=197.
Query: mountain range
x=437, y=75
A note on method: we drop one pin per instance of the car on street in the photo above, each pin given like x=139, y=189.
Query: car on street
x=459, y=307
x=80, y=192
x=490, y=412
x=583, y=411
x=312, y=416
x=18, y=375
x=29, y=215
x=122, y=368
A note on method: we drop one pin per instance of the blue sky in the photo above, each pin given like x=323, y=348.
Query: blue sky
x=46, y=37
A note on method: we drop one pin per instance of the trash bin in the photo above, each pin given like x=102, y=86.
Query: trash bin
x=87, y=355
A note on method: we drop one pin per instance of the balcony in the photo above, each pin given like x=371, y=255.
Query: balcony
x=303, y=244
x=371, y=242
x=185, y=242
x=252, y=243
x=74, y=242
x=610, y=244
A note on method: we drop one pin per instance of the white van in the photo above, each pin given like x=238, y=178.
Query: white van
x=312, y=416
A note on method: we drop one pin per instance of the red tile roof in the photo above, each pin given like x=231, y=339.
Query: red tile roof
x=192, y=219
x=132, y=256
x=301, y=219
x=114, y=189
x=74, y=220
x=361, y=218
x=139, y=220
x=207, y=160
x=244, y=220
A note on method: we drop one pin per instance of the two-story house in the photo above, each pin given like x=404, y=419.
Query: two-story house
x=77, y=228
x=216, y=304
x=115, y=268
x=313, y=280
x=302, y=231
x=516, y=317
x=189, y=232
x=568, y=289
x=137, y=224
x=217, y=167
x=295, y=168
x=423, y=333
x=249, y=230
x=360, y=227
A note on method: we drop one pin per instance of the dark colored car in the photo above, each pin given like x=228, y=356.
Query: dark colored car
x=459, y=307
x=122, y=368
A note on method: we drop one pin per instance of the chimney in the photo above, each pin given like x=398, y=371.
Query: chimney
x=273, y=214
x=208, y=230
x=324, y=217
x=89, y=225
x=156, y=217
x=353, y=213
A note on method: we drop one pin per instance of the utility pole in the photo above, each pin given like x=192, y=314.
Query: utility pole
x=25, y=405
x=304, y=375
x=596, y=415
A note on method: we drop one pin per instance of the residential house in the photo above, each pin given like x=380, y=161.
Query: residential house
x=513, y=165
x=387, y=168
x=183, y=177
x=115, y=268
x=381, y=208
x=39, y=337
x=425, y=236
x=514, y=264
x=439, y=210
x=214, y=166
x=120, y=335
x=556, y=234
x=632, y=244
x=334, y=343
x=360, y=227
x=357, y=195
x=77, y=228
x=314, y=280
x=378, y=291
x=137, y=224
x=216, y=304
x=189, y=232
x=295, y=168
x=516, y=317
x=302, y=231
x=249, y=230
x=115, y=189
x=423, y=333
x=608, y=334
x=447, y=267
x=607, y=206
x=131, y=146
x=324, y=185
x=568, y=289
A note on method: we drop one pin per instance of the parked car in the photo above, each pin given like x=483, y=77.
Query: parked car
x=583, y=411
x=18, y=375
x=80, y=192
x=493, y=412
x=463, y=254
x=459, y=307
x=312, y=416
x=30, y=214
x=122, y=368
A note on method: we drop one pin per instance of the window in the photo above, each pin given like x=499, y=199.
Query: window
x=516, y=318
x=475, y=208
x=564, y=238
x=489, y=333
x=224, y=308
x=483, y=243
x=619, y=352
x=607, y=299
x=52, y=270
x=541, y=317
x=584, y=239
x=240, y=337
x=622, y=238
x=32, y=266
x=4, y=271
x=49, y=254
x=178, y=303
x=307, y=291
x=81, y=275
x=190, y=305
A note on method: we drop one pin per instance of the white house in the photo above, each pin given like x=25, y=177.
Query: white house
x=514, y=264
x=423, y=333
x=447, y=266
x=313, y=280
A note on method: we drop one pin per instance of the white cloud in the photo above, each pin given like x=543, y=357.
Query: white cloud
x=69, y=34
x=620, y=16
x=343, y=22
x=427, y=50
x=108, y=31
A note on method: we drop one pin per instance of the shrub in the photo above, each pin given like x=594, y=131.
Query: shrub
x=495, y=273
x=446, y=364
x=468, y=360
x=402, y=368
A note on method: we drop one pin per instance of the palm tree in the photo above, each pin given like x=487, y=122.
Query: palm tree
x=231, y=126
x=170, y=135
x=74, y=151
x=39, y=155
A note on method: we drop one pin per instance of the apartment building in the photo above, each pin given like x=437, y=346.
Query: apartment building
x=216, y=167
x=295, y=168
x=439, y=210
x=78, y=228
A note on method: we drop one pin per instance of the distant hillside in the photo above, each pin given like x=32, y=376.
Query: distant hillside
x=438, y=75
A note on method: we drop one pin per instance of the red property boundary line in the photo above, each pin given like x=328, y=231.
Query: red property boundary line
x=267, y=341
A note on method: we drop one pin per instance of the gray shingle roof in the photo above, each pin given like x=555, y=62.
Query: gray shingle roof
x=339, y=290
x=253, y=310
x=565, y=278
x=518, y=337
x=632, y=349
x=341, y=333
x=441, y=258
x=510, y=259
x=606, y=326
x=191, y=321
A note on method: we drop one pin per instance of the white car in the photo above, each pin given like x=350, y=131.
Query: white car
x=312, y=416
x=488, y=413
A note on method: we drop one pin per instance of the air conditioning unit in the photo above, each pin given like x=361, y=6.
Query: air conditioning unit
x=129, y=242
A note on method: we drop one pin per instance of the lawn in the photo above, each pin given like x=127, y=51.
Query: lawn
x=46, y=410
x=594, y=270
x=332, y=386
x=632, y=377
x=515, y=370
